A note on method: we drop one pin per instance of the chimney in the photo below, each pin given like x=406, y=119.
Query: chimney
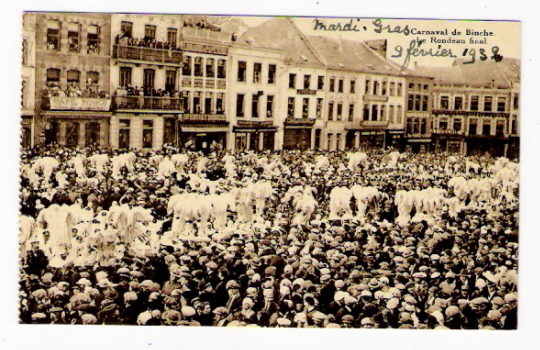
x=378, y=45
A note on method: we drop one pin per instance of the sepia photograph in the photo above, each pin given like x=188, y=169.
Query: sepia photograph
x=269, y=172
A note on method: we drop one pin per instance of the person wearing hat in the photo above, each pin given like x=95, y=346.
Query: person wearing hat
x=269, y=312
x=234, y=303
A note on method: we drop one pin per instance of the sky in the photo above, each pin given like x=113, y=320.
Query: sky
x=506, y=36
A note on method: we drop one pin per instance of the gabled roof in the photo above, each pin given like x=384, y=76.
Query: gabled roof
x=281, y=34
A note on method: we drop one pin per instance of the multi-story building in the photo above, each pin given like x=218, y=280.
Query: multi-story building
x=418, y=129
x=145, y=71
x=28, y=79
x=72, y=66
x=253, y=104
x=474, y=107
x=204, y=83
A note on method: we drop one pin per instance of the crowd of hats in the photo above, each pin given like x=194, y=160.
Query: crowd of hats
x=457, y=273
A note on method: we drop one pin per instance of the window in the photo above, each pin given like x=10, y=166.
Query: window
x=221, y=72
x=208, y=103
x=257, y=68
x=487, y=103
x=353, y=86
x=338, y=141
x=148, y=131
x=474, y=103
x=197, y=102
x=384, y=84
x=240, y=105
x=331, y=110
x=186, y=65
x=320, y=82
x=219, y=104
x=457, y=125
x=424, y=103
x=92, y=78
x=149, y=81
x=53, y=35
x=290, y=107
x=53, y=77
x=292, y=81
x=242, y=71
x=332, y=83
x=368, y=86
x=443, y=124
x=374, y=112
x=514, y=127
x=473, y=127
x=458, y=103
x=170, y=80
x=339, y=110
x=410, y=103
x=210, y=68
x=365, y=112
x=198, y=68
x=72, y=134
x=271, y=74
x=25, y=52
x=340, y=85
x=423, y=126
x=426, y=87
x=486, y=127
x=398, y=114
x=318, y=133
x=392, y=89
x=375, y=87
x=149, y=32
x=499, y=128
x=444, y=102
x=269, y=106
x=501, y=104
x=92, y=39
x=516, y=101
x=123, y=135
x=319, y=108
x=383, y=112
x=186, y=101
x=125, y=76
x=411, y=86
x=305, y=108
x=351, y=112
x=127, y=29
x=171, y=36
x=73, y=78
x=307, y=81
x=329, y=140
x=399, y=88
x=417, y=102
x=391, y=114
x=255, y=106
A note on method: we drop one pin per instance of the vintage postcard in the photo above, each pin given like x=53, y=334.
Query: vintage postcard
x=242, y=171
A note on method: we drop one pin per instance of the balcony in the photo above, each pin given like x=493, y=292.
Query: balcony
x=149, y=103
x=205, y=34
x=206, y=118
x=375, y=98
x=374, y=124
x=470, y=113
x=76, y=103
x=147, y=54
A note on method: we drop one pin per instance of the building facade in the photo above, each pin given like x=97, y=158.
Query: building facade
x=28, y=80
x=419, y=121
x=72, y=75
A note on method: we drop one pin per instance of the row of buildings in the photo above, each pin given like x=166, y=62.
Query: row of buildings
x=139, y=81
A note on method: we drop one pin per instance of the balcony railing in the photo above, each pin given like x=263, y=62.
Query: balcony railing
x=212, y=118
x=418, y=135
x=147, y=54
x=145, y=102
x=375, y=98
x=448, y=132
x=374, y=124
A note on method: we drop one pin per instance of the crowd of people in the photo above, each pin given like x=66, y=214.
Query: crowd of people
x=126, y=40
x=74, y=90
x=279, y=239
x=142, y=91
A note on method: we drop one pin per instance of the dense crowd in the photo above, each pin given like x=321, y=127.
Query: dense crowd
x=265, y=240
x=142, y=91
x=124, y=39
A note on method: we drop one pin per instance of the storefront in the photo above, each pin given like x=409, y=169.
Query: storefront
x=203, y=137
x=395, y=139
x=448, y=143
x=480, y=145
x=372, y=139
x=76, y=129
x=297, y=133
x=254, y=135
x=419, y=145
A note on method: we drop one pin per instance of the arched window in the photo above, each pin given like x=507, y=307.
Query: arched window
x=74, y=37
x=53, y=77
x=53, y=35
